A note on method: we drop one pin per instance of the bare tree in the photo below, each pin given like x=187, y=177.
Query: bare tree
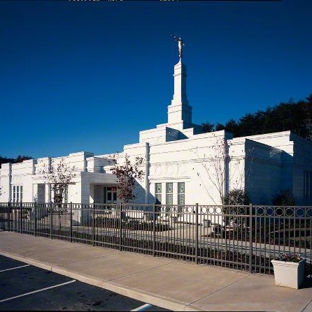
x=221, y=170
x=127, y=174
x=224, y=177
x=59, y=175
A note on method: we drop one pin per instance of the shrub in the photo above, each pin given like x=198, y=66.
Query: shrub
x=287, y=257
x=235, y=197
x=283, y=198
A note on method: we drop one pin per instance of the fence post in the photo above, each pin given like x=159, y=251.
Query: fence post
x=250, y=237
x=15, y=218
x=71, y=222
x=93, y=224
x=154, y=228
x=120, y=228
x=9, y=217
x=196, y=235
x=21, y=218
x=51, y=220
x=35, y=214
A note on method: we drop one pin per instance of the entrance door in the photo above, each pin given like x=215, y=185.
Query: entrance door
x=110, y=195
x=41, y=194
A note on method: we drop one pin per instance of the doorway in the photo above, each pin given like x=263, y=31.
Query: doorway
x=110, y=195
x=41, y=194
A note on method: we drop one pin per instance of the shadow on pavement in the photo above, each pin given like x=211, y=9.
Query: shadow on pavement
x=307, y=282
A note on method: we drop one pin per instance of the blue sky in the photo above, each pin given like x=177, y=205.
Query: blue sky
x=88, y=76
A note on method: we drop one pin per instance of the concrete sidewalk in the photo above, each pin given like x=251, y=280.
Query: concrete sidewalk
x=168, y=283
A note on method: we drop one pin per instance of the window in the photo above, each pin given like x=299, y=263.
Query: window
x=14, y=194
x=110, y=195
x=169, y=193
x=17, y=191
x=307, y=186
x=181, y=193
x=158, y=193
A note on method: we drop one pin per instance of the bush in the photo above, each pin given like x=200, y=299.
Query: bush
x=283, y=198
x=236, y=197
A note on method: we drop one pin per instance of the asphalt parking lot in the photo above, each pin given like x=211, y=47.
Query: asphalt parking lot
x=26, y=287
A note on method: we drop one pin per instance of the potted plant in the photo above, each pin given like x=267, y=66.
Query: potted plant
x=289, y=270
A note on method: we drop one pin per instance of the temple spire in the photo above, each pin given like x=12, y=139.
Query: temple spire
x=179, y=111
x=181, y=43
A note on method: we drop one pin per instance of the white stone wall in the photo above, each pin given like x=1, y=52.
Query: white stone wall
x=280, y=140
x=5, y=182
x=42, y=164
x=188, y=161
x=265, y=173
x=18, y=175
x=141, y=190
x=197, y=161
x=153, y=136
x=99, y=164
x=302, y=161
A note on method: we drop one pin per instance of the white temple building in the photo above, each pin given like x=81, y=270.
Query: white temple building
x=181, y=165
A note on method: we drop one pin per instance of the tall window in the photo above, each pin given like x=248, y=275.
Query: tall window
x=17, y=193
x=14, y=194
x=181, y=193
x=169, y=193
x=158, y=193
x=307, y=189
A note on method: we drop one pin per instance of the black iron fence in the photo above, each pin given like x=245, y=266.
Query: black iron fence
x=240, y=237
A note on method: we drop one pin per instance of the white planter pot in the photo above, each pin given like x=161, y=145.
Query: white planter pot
x=289, y=274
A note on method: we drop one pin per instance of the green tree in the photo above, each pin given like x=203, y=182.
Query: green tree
x=5, y=160
x=207, y=127
x=293, y=116
x=19, y=158
x=219, y=127
x=231, y=126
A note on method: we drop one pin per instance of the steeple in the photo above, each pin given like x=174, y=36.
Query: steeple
x=179, y=111
x=179, y=125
